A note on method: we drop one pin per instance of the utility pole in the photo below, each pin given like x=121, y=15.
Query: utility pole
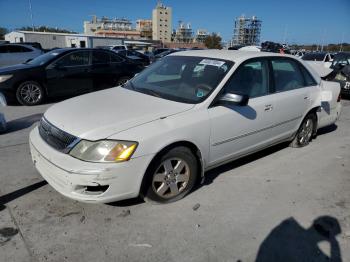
x=31, y=14
x=323, y=39
x=341, y=44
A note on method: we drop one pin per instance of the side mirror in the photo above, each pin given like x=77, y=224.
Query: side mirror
x=234, y=99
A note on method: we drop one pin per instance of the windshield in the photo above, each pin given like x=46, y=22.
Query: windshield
x=42, y=59
x=184, y=79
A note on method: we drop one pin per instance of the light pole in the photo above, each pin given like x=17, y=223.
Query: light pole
x=31, y=14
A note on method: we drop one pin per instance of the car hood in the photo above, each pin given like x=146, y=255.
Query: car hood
x=101, y=114
x=13, y=68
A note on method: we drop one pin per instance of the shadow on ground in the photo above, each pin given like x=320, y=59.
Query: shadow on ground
x=19, y=193
x=22, y=123
x=290, y=242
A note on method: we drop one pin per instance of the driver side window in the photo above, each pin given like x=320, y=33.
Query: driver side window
x=250, y=79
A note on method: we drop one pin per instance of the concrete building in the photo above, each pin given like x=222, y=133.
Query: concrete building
x=162, y=23
x=246, y=31
x=201, y=35
x=50, y=40
x=105, y=23
x=183, y=33
x=144, y=26
x=106, y=27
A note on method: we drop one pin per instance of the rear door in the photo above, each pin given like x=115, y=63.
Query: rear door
x=293, y=97
x=70, y=74
x=237, y=130
x=106, y=69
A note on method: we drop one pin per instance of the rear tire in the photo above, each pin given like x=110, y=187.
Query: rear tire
x=171, y=176
x=30, y=93
x=305, y=132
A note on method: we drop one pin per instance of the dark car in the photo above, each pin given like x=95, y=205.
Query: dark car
x=165, y=53
x=65, y=72
x=159, y=50
x=137, y=57
x=341, y=71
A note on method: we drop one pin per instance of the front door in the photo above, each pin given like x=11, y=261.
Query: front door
x=70, y=74
x=237, y=130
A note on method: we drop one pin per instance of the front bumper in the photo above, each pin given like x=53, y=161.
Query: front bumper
x=79, y=180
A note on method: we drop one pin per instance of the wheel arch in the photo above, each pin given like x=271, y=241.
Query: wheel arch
x=190, y=145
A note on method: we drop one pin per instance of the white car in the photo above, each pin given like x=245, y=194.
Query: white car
x=319, y=59
x=157, y=135
x=11, y=54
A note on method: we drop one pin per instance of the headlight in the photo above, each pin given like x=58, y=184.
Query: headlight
x=104, y=150
x=3, y=78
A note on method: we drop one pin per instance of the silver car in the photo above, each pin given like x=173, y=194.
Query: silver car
x=11, y=54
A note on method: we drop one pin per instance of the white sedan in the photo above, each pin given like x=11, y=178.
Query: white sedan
x=11, y=54
x=189, y=112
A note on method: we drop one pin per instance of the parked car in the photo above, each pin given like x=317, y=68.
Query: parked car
x=2, y=116
x=165, y=53
x=65, y=72
x=159, y=50
x=135, y=56
x=113, y=47
x=341, y=72
x=159, y=133
x=11, y=54
x=319, y=58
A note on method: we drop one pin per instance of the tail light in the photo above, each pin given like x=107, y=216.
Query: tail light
x=339, y=98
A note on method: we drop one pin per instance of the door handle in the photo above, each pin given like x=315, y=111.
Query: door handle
x=268, y=107
x=306, y=98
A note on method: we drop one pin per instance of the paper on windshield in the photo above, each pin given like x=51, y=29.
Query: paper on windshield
x=212, y=62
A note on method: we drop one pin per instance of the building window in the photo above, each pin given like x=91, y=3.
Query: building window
x=160, y=24
x=160, y=20
x=160, y=12
x=166, y=13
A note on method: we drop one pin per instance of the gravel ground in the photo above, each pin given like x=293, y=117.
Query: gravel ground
x=247, y=210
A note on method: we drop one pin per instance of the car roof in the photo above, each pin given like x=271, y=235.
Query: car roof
x=18, y=44
x=231, y=55
x=237, y=56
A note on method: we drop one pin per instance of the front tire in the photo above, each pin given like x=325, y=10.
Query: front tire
x=122, y=80
x=305, y=132
x=30, y=93
x=171, y=177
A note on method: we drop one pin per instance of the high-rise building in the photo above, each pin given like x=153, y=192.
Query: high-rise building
x=162, y=23
x=246, y=31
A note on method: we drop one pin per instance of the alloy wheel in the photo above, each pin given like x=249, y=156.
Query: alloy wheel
x=30, y=93
x=171, y=178
x=305, y=133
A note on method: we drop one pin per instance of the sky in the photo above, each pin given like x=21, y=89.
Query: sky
x=297, y=21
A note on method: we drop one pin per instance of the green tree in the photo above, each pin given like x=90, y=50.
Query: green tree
x=213, y=41
x=3, y=32
x=44, y=28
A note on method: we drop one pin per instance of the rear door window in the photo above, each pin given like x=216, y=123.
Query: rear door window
x=100, y=57
x=287, y=75
x=79, y=58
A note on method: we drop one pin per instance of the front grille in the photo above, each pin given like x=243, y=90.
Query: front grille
x=55, y=137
